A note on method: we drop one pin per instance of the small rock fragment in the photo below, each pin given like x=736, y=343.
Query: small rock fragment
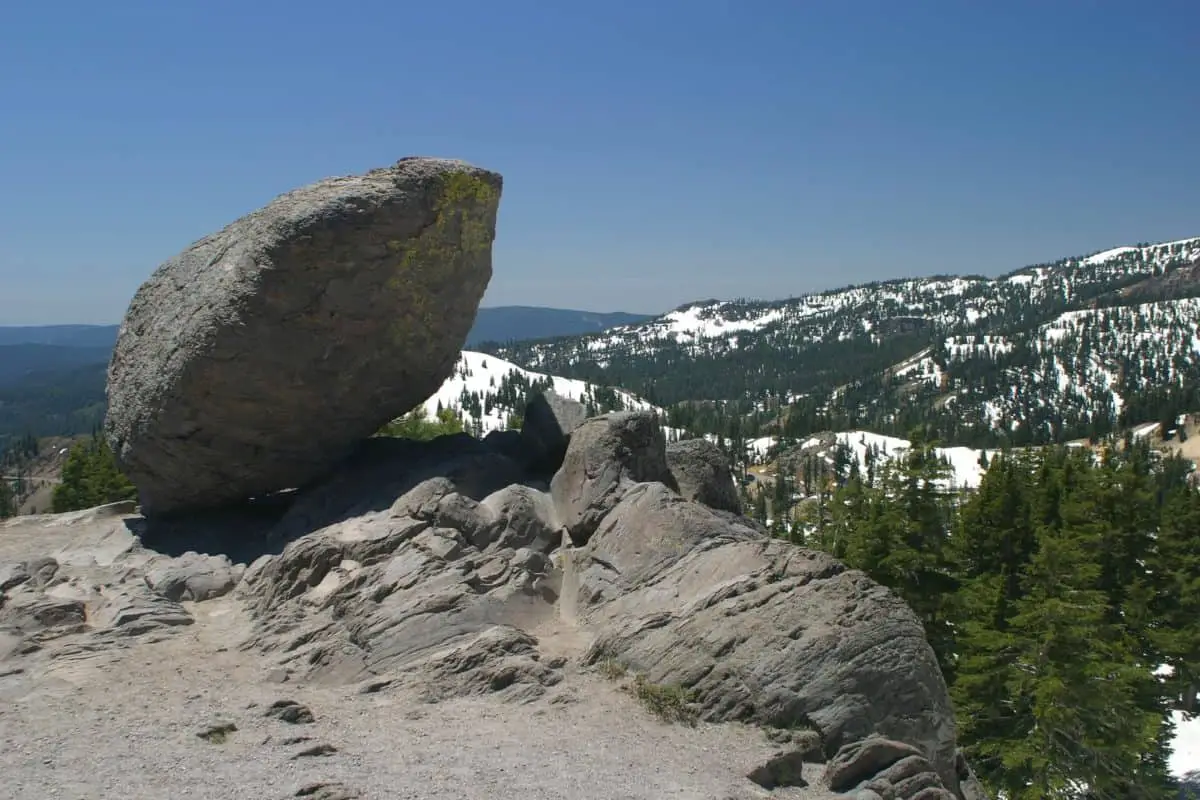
x=316, y=750
x=328, y=791
x=291, y=741
x=217, y=733
x=290, y=711
x=784, y=769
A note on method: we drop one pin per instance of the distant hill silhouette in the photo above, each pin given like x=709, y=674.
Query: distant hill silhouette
x=62, y=335
x=52, y=376
x=496, y=324
x=520, y=323
x=19, y=361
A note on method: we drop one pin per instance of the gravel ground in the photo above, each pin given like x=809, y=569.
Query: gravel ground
x=123, y=723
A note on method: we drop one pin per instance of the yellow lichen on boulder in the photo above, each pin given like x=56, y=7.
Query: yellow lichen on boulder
x=462, y=231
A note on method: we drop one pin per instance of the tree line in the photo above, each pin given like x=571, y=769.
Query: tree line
x=90, y=477
x=1062, y=599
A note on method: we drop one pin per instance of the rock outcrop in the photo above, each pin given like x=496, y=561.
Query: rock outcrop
x=440, y=569
x=99, y=582
x=875, y=767
x=263, y=357
x=702, y=473
x=549, y=421
x=449, y=587
x=259, y=356
x=607, y=455
x=759, y=630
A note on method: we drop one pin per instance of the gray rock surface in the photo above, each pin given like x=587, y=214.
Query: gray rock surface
x=782, y=769
x=291, y=712
x=888, y=769
x=437, y=591
x=439, y=573
x=95, y=591
x=702, y=473
x=193, y=576
x=12, y=575
x=968, y=782
x=758, y=629
x=260, y=355
x=607, y=455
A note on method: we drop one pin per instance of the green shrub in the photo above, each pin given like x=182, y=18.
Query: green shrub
x=668, y=702
x=90, y=478
x=417, y=425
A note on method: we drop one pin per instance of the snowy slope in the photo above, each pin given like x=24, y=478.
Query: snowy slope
x=1185, y=747
x=1068, y=276
x=1081, y=363
x=863, y=311
x=729, y=326
x=501, y=388
x=1059, y=337
x=963, y=461
x=1050, y=353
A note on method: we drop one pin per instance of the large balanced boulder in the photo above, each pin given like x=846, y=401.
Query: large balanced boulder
x=258, y=357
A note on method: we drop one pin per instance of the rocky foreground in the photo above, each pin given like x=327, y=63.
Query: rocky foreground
x=297, y=610
x=147, y=715
x=463, y=618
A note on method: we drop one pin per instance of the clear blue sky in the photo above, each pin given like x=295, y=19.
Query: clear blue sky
x=654, y=152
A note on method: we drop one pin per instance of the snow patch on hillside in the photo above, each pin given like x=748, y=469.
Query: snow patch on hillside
x=1108, y=255
x=1154, y=253
x=1142, y=431
x=1185, y=747
x=482, y=374
x=705, y=322
x=964, y=461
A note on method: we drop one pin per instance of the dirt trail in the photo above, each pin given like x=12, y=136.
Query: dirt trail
x=122, y=722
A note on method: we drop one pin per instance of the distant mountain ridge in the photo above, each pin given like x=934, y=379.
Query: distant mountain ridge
x=52, y=377
x=1071, y=348
x=19, y=361
x=60, y=335
x=502, y=324
x=494, y=324
x=1044, y=352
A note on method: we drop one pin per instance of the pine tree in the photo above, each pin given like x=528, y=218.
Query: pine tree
x=760, y=504
x=90, y=478
x=1075, y=678
x=1177, y=604
x=7, y=501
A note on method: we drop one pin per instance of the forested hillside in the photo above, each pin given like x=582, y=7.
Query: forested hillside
x=52, y=376
x=53, y=403
x=1061, y=598
x=1076, y=348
